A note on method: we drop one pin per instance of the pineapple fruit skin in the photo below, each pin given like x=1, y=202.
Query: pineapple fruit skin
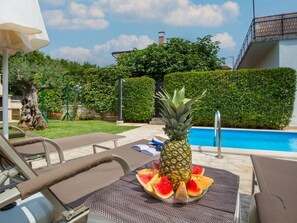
x=176, y=161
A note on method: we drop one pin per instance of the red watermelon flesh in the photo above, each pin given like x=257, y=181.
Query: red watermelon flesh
x=156, y=165
x=144, y=176
x=162, y=187
x=198, y=170
x=193, y=189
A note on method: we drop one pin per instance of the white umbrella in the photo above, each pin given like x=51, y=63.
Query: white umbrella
x=21, y=29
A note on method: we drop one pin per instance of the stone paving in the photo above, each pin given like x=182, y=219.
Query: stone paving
x=238, y=164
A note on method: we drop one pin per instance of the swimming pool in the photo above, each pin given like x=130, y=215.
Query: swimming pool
x=246, y=139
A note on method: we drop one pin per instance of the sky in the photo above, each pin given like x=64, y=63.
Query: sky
x=90, y=30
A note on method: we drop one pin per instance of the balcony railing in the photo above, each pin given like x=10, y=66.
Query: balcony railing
x=269, y=28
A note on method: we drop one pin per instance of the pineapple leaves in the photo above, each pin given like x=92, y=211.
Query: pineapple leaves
x=167, y=108
x=176, y=112
x=190, y=102
x=178, y=97
x=182, y=112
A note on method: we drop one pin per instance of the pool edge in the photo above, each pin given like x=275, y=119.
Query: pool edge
x=245, y=152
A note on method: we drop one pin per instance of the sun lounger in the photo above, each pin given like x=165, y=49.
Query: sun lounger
x=15, y=132
x=277, y=181
x=67, y=196
x=37, y=147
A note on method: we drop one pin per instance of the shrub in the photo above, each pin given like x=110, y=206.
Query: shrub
x=98, y=87
x=138, y=99
x=252, y=98
x=86, y=116
x=52, y=101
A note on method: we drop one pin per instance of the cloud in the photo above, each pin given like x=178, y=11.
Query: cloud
x=134, y=10
x=76, y=16
x=225, y=39
x=53, y=3
x=101, y=54
x=231, y=9
x=124, y=43
x=78, y=54
x=171, y=12
x=209, y=15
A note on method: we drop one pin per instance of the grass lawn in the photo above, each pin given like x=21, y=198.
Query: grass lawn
x=59, y=129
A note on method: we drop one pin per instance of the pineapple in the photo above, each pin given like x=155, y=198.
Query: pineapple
x=176, y=155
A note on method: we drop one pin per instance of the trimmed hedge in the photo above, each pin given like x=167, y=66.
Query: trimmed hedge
x=138, y=99
x=251, y=98
x=98, y=87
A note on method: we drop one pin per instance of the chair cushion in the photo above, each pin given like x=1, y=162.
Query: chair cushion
x=16, y=135
x=70, y=142
x=270, y=209
x=28, y=141
x=54, y=176
x=76, y=190
x=278, y=178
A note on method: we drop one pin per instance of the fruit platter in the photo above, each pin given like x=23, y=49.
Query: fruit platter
x=160, y=186
x=174, y=179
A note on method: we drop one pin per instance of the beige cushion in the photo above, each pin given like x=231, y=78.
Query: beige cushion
x=278, y=178
x=65, y=171
x=65, y=143
x=76, y=190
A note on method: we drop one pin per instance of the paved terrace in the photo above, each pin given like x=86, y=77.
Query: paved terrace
x=238, y=164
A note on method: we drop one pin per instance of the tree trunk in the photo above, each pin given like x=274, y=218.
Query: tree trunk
x=31, y=117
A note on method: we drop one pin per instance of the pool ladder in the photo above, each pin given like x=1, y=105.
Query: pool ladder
x=217, y=133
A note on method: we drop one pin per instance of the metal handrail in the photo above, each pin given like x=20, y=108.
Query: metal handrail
x=217, y=133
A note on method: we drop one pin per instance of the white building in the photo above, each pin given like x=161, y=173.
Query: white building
x=14, y=107
x=271, y=42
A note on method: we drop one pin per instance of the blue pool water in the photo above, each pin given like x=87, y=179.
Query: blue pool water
x=246, y=139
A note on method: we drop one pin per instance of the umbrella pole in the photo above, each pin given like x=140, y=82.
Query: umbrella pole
x=5, y=91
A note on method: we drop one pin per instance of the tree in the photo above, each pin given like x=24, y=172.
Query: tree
x=23, y=73
x=177, y=55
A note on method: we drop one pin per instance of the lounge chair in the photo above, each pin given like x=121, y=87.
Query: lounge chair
x=67, y=196
x=16, y=132
x=33, y=148
x=277, y=200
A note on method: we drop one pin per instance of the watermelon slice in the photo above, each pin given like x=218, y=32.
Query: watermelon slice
x=162, y=187
x=145, y=177
x=156, y=165
x=198, y=170
x=193, y=189
x=202, y=181
x=181, y=193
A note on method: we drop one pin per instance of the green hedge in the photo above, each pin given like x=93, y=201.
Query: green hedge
x=138, y=99
x=252, y=98
x=98, y=87
x=52, y=97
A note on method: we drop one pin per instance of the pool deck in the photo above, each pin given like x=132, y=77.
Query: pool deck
x=238, y=163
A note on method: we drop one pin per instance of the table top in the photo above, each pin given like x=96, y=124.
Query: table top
x=126, y=201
